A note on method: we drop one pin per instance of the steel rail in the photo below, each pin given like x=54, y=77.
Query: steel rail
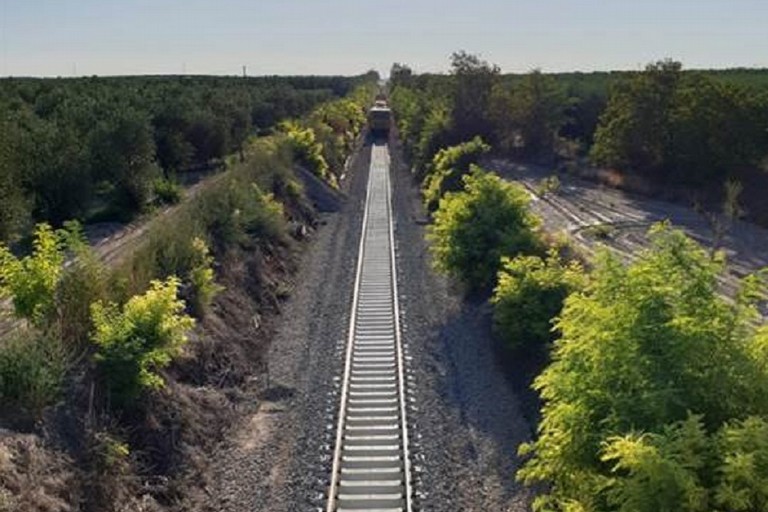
x=371, y=467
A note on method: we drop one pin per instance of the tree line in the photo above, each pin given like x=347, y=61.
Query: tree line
x=671, y=126
x=102, y=148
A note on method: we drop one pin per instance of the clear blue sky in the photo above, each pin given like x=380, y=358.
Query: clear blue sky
x=84, y=37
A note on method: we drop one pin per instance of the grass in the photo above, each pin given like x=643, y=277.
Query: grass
x=600, y=231
x=32, y=368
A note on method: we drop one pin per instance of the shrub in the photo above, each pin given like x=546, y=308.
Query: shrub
x=308, y=151
x=742, y=447
x=644, y=347
x=32, y=366
x=548, y=185
x=31, y=281
x=83, y=282
x=529, y=295
x=202, y=280
x=166, y=191
x=659, y=471
x=136, y=340
x=239, y=213
x=448, y=167
x=435, y=134
x=600, y=231
x=474, y=228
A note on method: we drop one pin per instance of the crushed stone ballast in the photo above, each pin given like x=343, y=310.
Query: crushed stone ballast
x=371, y=467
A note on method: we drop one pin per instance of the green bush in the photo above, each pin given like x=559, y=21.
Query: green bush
x=308, y=151
x=529, y=295
x=434, y=135
x=448, y=167
x=644, y=347
x=237, y=213
x=336, y=125
x=32, y=366
x=548, y=185
x=166, y=191
x=135, y=341
x=474, y=228
x=202, y=279
x=685, y=468
x=31, y=281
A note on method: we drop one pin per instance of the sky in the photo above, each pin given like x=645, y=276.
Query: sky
x=120, y=37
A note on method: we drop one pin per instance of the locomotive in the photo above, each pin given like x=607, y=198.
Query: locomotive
x=380, y=119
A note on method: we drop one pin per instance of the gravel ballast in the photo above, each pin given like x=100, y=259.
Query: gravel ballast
x=466, y=421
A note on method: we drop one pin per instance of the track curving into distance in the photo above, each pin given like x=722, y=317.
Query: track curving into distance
x=371, y=468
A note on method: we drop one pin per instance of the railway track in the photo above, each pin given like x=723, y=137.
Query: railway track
x=371, y=467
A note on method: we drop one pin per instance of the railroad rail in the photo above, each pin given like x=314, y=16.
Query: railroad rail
x=371, y=467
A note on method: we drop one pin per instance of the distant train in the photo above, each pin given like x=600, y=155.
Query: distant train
x=380, y=119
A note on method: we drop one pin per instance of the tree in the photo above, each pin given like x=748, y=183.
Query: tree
x=634, y=130
x=57, y=170
x=399, y=74
x=528, y=116
x=474, y=80
x=681, y=128
x=123, y=154
x=715, y=128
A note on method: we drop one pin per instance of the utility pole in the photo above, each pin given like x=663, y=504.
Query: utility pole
x=244, y=72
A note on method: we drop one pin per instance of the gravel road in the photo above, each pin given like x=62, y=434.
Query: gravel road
x=465, y=417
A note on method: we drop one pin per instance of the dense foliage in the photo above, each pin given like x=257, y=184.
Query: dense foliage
x=656, y=398
x=657, y=395
x=323, y=140
x=520, y=117
x=682, y=127
x=528, y=115
x=529, y=294
x=475, y=227
x=448, y=168
x=92, y=148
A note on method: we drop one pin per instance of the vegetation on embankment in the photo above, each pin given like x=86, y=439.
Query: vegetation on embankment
x=653, y=391
x=127, y=377
x=680, y=133
x=108, y=148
